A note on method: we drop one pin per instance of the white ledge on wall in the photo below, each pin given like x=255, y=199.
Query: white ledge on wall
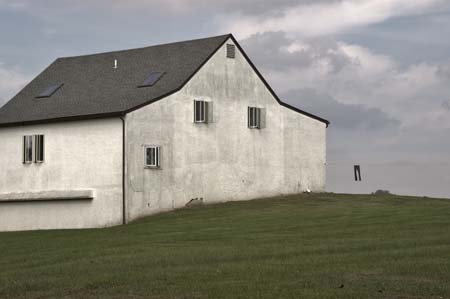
x=47, y=196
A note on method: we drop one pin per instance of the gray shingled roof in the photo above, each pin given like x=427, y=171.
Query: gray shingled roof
x=92, y=87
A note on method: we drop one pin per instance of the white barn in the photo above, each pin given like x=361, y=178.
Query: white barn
x=103, y=139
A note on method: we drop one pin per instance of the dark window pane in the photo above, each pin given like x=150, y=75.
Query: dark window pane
x=28, y=149
x=254, y=117
x=205, y=112
x=148, y=156
x=197, y=110
x=258, y=117
x=200, y=111
x=151, y=79
x=39, y=144
x=152, y=156
x=49, y=90
x=41, y=147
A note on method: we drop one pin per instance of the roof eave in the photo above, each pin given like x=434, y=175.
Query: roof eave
x=62, y=119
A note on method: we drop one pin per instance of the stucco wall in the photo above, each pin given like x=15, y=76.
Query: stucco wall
x=81, y=155
x=222, y=160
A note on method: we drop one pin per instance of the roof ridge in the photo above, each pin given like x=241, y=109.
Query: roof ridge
x=146, y=47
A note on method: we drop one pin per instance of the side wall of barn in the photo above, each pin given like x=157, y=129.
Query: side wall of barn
x=222, y=160
x=82, y=159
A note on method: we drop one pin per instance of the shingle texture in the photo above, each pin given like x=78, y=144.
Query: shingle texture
x=93, y=87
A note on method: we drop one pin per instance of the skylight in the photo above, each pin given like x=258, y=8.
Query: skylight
x=152, y=78
x=49, y=91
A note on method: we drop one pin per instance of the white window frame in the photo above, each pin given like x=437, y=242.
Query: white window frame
x=254, y=113
x=156, y=163
x=38, y=155
x=203, y=113
x=32, y=149
x=28, y=149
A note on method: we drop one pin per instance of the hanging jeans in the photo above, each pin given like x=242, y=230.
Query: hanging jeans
x=357, y=170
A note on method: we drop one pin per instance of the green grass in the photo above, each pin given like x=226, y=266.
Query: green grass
x=297, y=247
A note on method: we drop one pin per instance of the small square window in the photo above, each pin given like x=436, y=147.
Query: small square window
x=152, y=156
x=254, y=118
x=200, y=111
x=231, y=51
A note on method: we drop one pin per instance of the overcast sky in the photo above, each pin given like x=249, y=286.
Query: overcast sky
x=379, y=70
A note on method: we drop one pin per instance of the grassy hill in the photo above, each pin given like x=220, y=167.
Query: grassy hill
x=309, y=246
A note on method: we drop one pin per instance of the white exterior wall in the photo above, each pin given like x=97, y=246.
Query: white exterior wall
x=79, y=155
x=222, y=160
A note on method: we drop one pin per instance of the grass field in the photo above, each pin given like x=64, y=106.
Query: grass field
x=309, y=246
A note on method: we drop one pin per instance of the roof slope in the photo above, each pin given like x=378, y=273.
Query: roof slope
x=93, y=88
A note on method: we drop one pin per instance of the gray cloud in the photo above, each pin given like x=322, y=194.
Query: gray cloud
x=271, y=50
x=446, y=105
x=444, y=70
x=174, y=7
x=341, y=116
x=265, y=7
x=320, y=19
x=355, y=76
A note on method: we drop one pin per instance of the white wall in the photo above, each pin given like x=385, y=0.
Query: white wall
x=79, y=155
x=222, y=160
